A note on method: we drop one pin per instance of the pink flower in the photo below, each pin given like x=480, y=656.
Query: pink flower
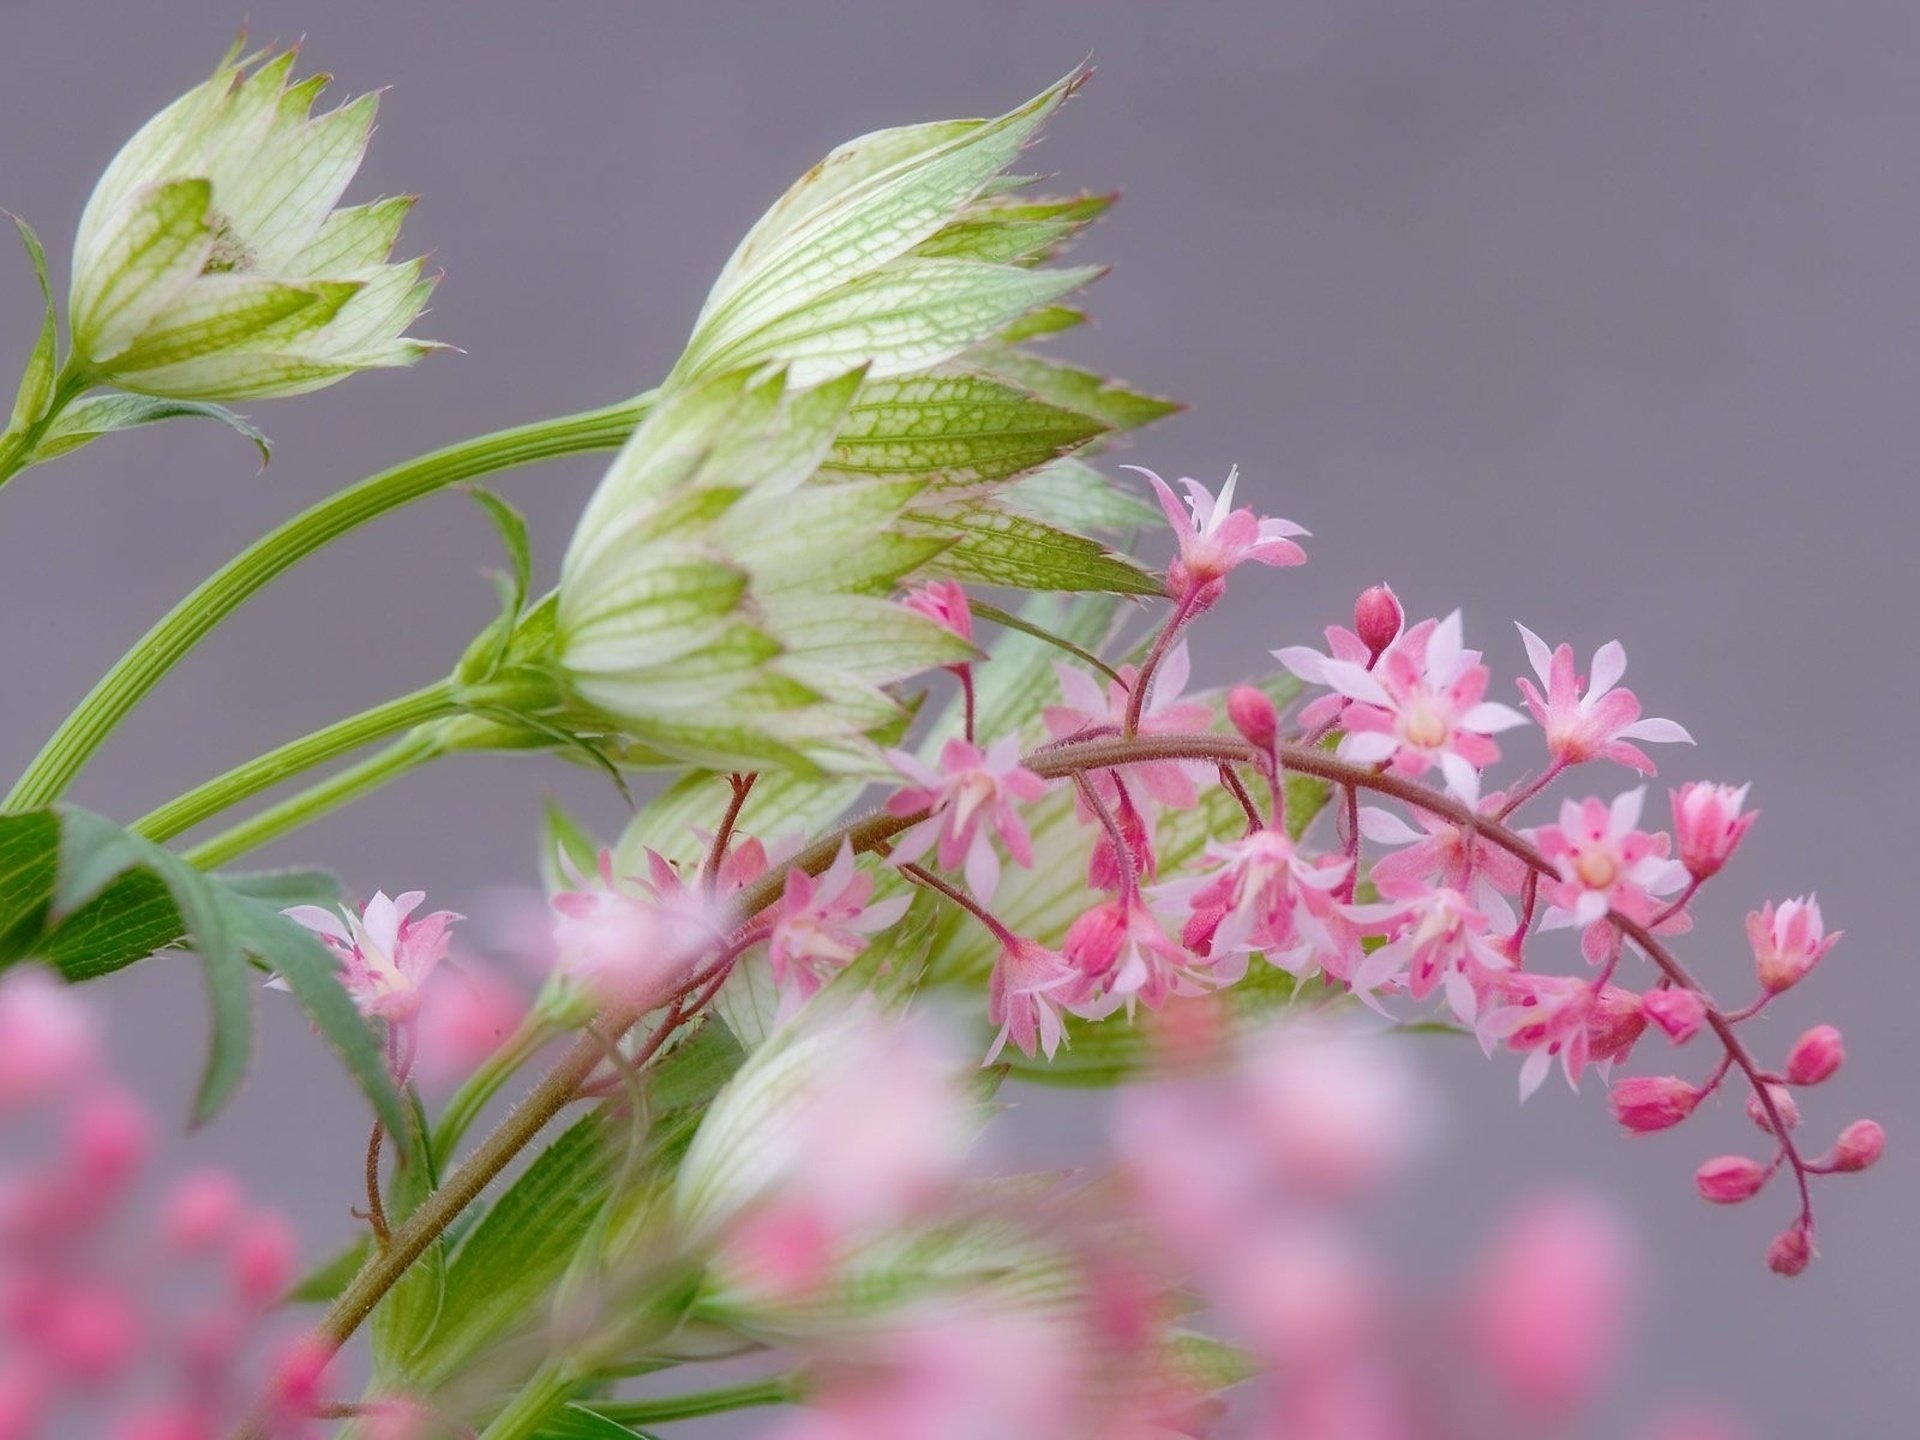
x=1708, y=825
x=1378, y=618
x=1551, y=1306
x=945, y=603
x=48, y=1039
x=1264, y=895
x=466, y=1013
x=1216, y=538
x=1647, y=1103
x=1604, y=862
x=1860, y=1146
x=1677, y=1010
x=1439, y=854
x=1437, y=936
x=1788, y=941
x=821, y=924
x=1025, y=993
x=1122, y=954
x=1816, y=1056
x=1791, y=1251
x=1422, y=705
x=1599, y=723
x=387, y=955
x=973, y=797
x=1088, y=713
x=1730, y=1179
x=629, y=942
x=1547, y=1017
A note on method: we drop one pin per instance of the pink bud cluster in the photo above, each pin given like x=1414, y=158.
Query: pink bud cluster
x=138, y=1314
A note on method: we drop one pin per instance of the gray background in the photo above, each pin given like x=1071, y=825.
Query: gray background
x=1599, y=316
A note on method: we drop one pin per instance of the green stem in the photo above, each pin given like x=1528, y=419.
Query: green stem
x=481, y=1086
x=783, y=1389
x=407, y=753
x=295, y=757
x=17, y=449
x=528, y=1412
x=218, y=596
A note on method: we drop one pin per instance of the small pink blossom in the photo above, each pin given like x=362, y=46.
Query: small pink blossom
x=1605, y=863
x=1788, y=941
x=1791, y=1251
x=1029, y=987
x=1599, y=723
x=1216, y=538
x=1731, y=1179
x=1784, y=1105
x=1438, y=853
x=1123, y=955
x=1423, y=705
x=1089, y=713
x=1708, y=825
x=1438, y=937
x=822, y=923
x=945, y=603
x=1252, y=713
x=1546, y=1017
x=1647, y=1103
x=629, y=942
x=1677, y=1010
x=972, y=797
x=1860, y=1146
x=1262, y=894
x=387, y=955
x=1816, y=1056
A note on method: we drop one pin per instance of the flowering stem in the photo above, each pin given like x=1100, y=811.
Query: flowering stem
x=723, y=836
x=409, y=752
x=376, y=1209
x=161, y=648
x=966, y=902
x=244, y=781
x=783, y=1389
x=965, y=673
x=17, y=447
x=1137, y=694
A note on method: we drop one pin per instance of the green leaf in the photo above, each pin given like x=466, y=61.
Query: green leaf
x=36, y=385
x=562, y=837
x=1014, y=231
x=1092, y=394
x=90, y=419
x=955, y=430
x=1072, y=494
x=578, y=1422
x=993, y=545
x=219, y=312
x=490, y=649
x=230, y=985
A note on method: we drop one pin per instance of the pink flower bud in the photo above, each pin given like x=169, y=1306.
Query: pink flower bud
x=110, y=1139
x=1790, y=1252
x=263, y=1259
x=1815, y=1056
x=48, y=1039
x=944, y=603
x=1377, y=618
x=1615, y=1024
x=1646, y=1103
x=1678, y=1011
x=1253, y=715
x=1859, y=1146
x=203, y=1207
x=1729, y=1179
x=1788, y=941
x=1783, y=1101
x=1708, y=825
x=88, y=1332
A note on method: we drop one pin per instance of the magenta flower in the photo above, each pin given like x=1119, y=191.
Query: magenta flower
x=1546, y=1017
x=1025, y=994
x=821, y=923
x=1265, y=896
x=385, y=953
x=1599, y=723
x=973, y=797
x=1216, y=538
x=1122, y=954
x=1438, y=937
x=1708, y=825
x=1788, y=941
x=1605, y=863
x=1648, y=1103
x=1422, y=705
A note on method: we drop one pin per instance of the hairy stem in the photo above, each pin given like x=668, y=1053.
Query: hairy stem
x=296, y=756
x=161, y=648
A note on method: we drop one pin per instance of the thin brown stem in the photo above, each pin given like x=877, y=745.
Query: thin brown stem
x=723, y=835
x=1162, y=643
x=1230, y=782
x=376, y=1208
x=965, y=901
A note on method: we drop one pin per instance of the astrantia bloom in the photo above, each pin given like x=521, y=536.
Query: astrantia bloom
x=211, y=263
x=1421, y=705
x=1025, y=994
x=1708, y=825
x=822, y=922
x=1788, y=941
x=973, y=796
x=1262, y=894
x=386, y=954
x=1215, y=538
x=1599, y=723
x=1604, y=862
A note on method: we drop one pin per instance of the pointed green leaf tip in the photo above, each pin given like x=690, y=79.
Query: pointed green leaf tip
x=36, y=384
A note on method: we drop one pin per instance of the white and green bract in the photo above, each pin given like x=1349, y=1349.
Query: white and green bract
x=211, y=263
x=726, y=610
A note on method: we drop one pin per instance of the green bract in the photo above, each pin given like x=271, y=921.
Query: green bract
x=211, y=264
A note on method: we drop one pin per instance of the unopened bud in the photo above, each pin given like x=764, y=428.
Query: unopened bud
x=1678, y=1011
x=262, y=1260
x=201, y=1210
x=1253, y=715
x=1377, y=618
x=1646, y=1103
x=1708, y=825
x=1729, y=1179
x=1790, y=1252
x=1815, y=1056
x=1615, y=1024
x=1783, y=1103
x=1859, y=1146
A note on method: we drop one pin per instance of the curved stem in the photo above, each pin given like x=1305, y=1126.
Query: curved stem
x=218, y=596
x=407, y=753
x=261, y=773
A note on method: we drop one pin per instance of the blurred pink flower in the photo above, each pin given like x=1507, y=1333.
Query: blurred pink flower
x=821, y=923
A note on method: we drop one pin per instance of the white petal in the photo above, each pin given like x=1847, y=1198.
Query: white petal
x=1462, y=779
x=1538, y=655
x=1609, y=664
x=1490, y=717
x=1368, y=747
x=1444, y=649
x=1383, y=827
x=1657, y=730
x=1353, y=681
x=1625, y=810
x=1306, y=663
